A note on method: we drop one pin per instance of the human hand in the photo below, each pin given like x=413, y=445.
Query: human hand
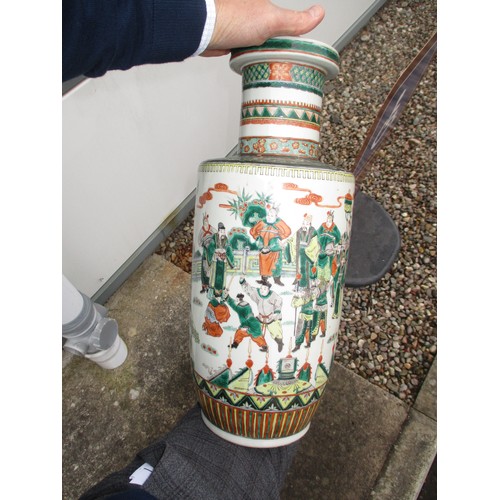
x=243, y=23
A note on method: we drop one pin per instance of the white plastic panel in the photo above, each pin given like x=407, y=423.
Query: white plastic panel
x=132, y=142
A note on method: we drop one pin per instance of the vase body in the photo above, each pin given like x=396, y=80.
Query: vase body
x=270, y=250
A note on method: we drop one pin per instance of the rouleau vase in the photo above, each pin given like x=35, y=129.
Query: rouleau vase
x=270, y=249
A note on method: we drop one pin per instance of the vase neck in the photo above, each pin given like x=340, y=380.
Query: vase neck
x=281, y=110
x=283, y=96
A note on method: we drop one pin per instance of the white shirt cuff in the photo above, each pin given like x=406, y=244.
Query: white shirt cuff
x=209, y=27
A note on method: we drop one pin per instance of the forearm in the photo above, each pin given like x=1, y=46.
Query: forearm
x=101, y=35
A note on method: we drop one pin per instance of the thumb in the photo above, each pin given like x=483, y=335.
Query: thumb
x=293, y=22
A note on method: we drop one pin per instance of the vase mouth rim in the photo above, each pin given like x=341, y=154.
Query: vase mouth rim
x=288, y=49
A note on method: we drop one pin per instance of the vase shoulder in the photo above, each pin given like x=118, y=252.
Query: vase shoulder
x=278, y=161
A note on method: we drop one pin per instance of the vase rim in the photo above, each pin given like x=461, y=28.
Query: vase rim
x=289, y=48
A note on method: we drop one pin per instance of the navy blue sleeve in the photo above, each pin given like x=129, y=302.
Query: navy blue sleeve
x=100, y=35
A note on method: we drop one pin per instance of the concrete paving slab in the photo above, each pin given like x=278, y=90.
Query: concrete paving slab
x=109, y=415
x=347, y=445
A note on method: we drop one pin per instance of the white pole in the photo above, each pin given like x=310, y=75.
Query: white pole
x=72, y=301
x=88, y=331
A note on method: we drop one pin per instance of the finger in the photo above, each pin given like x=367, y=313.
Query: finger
x=215, y=53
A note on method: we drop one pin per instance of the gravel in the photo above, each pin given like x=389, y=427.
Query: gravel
x=388, y=332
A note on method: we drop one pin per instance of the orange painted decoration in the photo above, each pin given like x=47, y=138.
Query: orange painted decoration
x=219, y=188
x=280, y=71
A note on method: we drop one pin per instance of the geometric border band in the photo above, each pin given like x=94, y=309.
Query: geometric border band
x=255, y=424
x=277, y=171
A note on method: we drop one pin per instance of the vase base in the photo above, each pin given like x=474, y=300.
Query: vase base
x=254, y=443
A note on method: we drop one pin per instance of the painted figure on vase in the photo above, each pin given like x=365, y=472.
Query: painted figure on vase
x=328, y=238
x=302, y=248
x=269, y=306
x=339, y=268
x=305, y=370
x=320, y=305
x=348, y=201
x=216, y=313
x=204, y=238
x=249, y=324
x=306, y=328
x=269, y=235
x=220, y=256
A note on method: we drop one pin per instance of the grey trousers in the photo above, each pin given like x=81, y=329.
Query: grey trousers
x=191, y=462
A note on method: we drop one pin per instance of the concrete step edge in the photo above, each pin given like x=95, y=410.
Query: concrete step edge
x=413, y=454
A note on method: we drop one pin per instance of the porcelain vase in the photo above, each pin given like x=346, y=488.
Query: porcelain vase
x=270, y=250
